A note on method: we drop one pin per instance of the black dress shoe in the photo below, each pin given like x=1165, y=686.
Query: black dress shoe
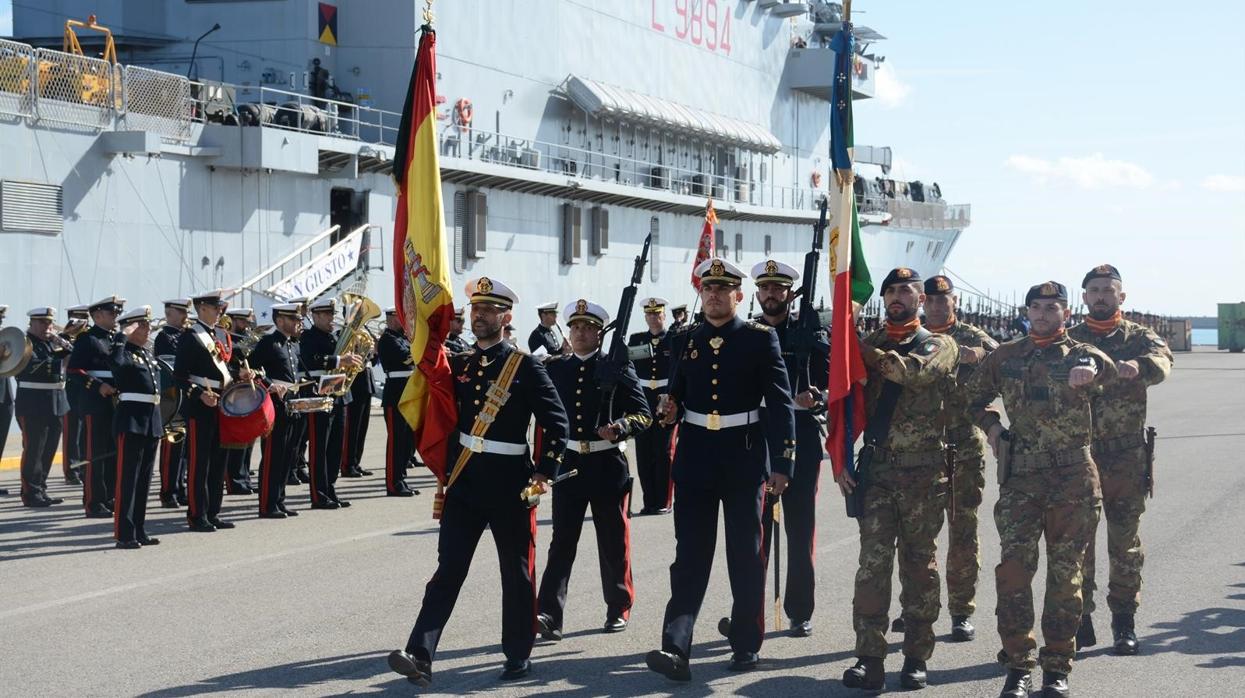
x=646, y=511
x=182, y=501
x=669, y=664
x=912, y=675
x=1085, y=636
x=352, y=473
x=148, y=540
x=242, y=491
x=417, y=671
x=743, y=661
x=724, y=627
x=546, y=629
x=272, y=514
x=1125, y=634
x=326, y=505
x=342, y=503
x=663, y=510
x=53, y=500
x=1055, y=685
x=97, y=511
x=73, y=480
x=615, y=624
x=109, y=506
x=801, y=628
x=168, y=503
x=897, y=625
x=401, y=493
x=1017, y=684
x=365, y=473
x=221, y=523
x=202, y=527
x=302, y=476
x=36, y=503
x=288, y=512
x=129, y=545
x=292, y=481
x=515, y=669
x=961, y=629
x=868, y=673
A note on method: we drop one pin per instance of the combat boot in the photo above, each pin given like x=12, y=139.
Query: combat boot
x=1055, y=685
x=868, y=673
x=1125, y=635
x=961, y=629
x=1085, y=636
x=913, y=673
x=1017, y=685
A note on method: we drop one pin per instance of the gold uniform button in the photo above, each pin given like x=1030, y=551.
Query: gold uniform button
x=479, y=387
x=578, y=391
x=579, y=404
x=479, y=373
x=581, y=379
x=715, y=367
x=714, y=381
x=716, y=352
x=475, y=402
x=715, y=397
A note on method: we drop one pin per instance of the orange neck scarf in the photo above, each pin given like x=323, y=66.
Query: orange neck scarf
x=1043, y=342
x=941, y=329
x=896, y=332
x=1103, y=328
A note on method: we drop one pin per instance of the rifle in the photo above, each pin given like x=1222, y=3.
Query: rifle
x=951, y=456
x=611, y=368
x=1151, y=434
x=808, y=327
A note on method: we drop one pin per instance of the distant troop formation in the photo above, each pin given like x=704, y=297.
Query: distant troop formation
x=727, y=415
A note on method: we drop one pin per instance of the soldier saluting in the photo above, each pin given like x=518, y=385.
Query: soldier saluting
x=725, y=456
x=1048, y=483
x=41, y=404
x=1121, y=449
x=138, y=426
x=497, y=390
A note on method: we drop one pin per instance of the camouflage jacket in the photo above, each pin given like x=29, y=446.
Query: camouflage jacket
x=969, y=441
x=927, y=376
x=1121, y=408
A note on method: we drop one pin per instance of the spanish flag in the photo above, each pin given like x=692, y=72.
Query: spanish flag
x=424, y=300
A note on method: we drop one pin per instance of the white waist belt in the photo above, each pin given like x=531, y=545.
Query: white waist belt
x=481, y=445
x=797, y=405
x=283, y=384
x=99, y=374
x=41, y=386
x=204, y=382
x=315, y=374
x=595, y=446
x=714, y=422
x=140, y=397
x=655, y=384
x=398, y=374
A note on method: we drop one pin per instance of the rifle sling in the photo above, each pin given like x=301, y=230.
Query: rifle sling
x=879, y=426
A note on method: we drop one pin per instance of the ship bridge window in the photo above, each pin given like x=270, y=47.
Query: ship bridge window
x=739, y=247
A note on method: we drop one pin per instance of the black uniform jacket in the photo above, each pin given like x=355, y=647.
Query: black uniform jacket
x=277, y=356
x=90, y=358
x=135, y=371
x=318, y=351
x=46, y=368
x=545, y=337
x=394, y=351
x=199, y=356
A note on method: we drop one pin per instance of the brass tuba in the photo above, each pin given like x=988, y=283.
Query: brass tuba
x=354, y=337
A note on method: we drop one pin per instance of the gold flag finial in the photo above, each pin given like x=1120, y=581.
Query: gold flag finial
x=428, y=16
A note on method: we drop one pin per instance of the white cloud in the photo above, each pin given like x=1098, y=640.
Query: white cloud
x=1172, y=185
x=1229, y=183
x=1092, y=172
x=889, y=90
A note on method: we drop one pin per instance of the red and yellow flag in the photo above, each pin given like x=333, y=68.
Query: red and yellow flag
x=424, y=299
x=704, y=250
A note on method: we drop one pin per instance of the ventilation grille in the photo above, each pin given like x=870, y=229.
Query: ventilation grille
x=31, y=207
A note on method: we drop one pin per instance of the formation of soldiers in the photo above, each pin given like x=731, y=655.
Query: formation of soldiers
x=722, y=421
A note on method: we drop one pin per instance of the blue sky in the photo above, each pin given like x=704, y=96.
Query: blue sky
x=1080, y=133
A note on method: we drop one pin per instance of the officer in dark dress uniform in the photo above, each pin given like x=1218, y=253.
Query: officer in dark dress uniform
x=238, y=460
x=487, y=495
x=653, y=445
x=726, y=455
x=678, y=316
x=137, y=425
x=394, y=351
x=547, y=334
x=277, y=355
x=172, y=454
x=202, y=370
x=91, y=373
x=41, y=405
x=358, y=416
x=598, y=441
x=73, y=447
x=799, y=503
x=454, y=343
x=7, y=394
x=326, y=449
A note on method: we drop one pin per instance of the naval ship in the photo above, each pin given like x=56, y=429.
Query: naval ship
x=159, y=148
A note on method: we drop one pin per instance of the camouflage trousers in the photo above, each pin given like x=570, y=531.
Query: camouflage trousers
x=1022, y=519
x=963, y=545
x=1123, y=500
x=906, y=518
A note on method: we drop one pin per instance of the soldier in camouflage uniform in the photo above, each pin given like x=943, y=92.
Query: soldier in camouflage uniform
x=906, y=481
x=1048, y=484
x=1120, y=449
x=963, y=545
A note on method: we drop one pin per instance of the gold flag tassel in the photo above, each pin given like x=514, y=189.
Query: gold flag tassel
x=438, y=501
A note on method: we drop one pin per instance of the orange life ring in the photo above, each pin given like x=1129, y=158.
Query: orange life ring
x=816, y=179
x=463, y=112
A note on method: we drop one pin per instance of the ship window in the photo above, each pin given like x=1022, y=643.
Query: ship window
x=937, y=250
x=909, y=247
x=460, y=224
x=739, y=247
x=929, y=249
x=769, y=243
x=31, y=207
x=654, y=265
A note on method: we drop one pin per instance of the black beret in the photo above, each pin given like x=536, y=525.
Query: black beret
x=938, y=286
x=899, y=275
x=1048, y=291
x=1102, y=271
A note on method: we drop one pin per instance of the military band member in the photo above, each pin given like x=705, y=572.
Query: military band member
x=654, y=444
x=596, y=450
x=41, y=405
x=73, y=445
x=774, y=280
x=394, y=351
x=1048, y=483
x=326, y=448
x=547, y=334
x=202, y=371
x=8, y=391
x=238, y=460
x=172, y=454
x=138, y=426
x=963, y=544
x=505, y=389
x=910, y=371
x=358, y=414
x=1120, y=449
x=454, y=342
x=725, y=456
x=91, y=373
x=678, y=316
x=277, y=355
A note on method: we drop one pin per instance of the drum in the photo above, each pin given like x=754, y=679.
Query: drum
x=303, y=405
x=246, y=414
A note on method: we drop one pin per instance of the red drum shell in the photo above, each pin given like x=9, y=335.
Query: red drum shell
x=239, y=429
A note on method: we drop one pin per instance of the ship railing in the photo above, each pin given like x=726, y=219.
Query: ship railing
x=287, y=265
x=906, y=213
x=294, y=111
x=724, y=185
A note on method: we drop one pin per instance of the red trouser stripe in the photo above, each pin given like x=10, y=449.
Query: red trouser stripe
x=624, y=508
x=531, y=560
x=88, y=493
x=119, y=504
